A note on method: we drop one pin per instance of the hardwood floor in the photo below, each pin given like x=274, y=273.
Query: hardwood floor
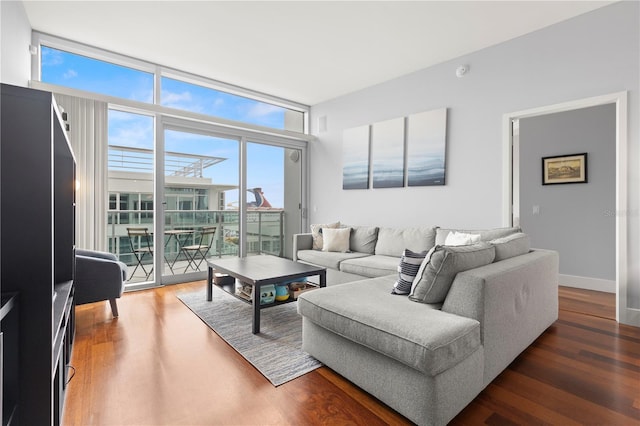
x=159, y=364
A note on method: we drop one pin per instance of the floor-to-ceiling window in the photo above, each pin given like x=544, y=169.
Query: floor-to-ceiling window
x=130, y=215
x=210, y=201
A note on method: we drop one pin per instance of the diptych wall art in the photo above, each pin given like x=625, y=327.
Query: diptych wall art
x=406, y=151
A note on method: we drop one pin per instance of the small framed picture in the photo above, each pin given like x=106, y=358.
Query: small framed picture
x=564, y=169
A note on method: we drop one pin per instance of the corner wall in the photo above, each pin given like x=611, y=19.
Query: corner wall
x=15, y=37
x=593, y=54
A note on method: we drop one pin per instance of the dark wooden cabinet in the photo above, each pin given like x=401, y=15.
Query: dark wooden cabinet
x=37, y=250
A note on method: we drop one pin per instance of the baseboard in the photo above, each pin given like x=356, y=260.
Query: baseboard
x=597, y=284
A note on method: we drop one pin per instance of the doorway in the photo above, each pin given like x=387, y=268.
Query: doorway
x=576, y=219
x=625, y=313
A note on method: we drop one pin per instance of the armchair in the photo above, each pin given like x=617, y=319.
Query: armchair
x=99, y=276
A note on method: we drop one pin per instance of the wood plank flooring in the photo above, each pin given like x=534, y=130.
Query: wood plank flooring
x=158, y=364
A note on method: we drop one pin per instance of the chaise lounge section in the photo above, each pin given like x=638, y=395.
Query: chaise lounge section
x=429, y=360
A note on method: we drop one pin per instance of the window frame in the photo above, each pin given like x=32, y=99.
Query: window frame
x=158, y=71
x=183, y=120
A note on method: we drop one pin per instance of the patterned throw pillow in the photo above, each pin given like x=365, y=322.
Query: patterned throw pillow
x=407, y=271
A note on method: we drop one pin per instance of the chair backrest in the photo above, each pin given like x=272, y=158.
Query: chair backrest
x=143, y=233
x=206, y=236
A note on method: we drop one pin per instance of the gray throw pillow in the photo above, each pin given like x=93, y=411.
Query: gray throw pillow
x=511, y=246
x=363, y=238
x=436, y=275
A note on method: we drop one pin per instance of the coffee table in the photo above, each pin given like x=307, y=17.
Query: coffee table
x=258, y=271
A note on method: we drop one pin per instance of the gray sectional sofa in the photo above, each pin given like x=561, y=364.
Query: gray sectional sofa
x=471, y=311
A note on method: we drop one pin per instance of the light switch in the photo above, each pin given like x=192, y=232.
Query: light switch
x=536, y=209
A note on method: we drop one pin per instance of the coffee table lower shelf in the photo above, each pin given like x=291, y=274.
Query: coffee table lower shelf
x=231, y=289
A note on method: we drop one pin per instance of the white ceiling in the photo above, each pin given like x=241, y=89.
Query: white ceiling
x=304, y=51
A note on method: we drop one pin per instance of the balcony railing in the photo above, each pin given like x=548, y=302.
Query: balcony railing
x=265, y=232
x=126, y=158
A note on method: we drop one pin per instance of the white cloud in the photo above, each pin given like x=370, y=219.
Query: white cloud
x=142, y=95
x=127, y=129
x=70, y=74
x=260, y=109
x=184, y=100
x=51, y=58
x=170, y=98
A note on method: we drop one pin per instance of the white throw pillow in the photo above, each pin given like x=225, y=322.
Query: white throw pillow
x=461, y=239
x=316, y=233
x=336, y=239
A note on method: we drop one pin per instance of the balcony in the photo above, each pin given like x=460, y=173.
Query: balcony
x=265, y=235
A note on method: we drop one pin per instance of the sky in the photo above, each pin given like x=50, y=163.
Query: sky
x=265, y=163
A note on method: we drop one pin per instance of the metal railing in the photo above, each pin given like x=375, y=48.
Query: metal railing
x=265, y=231
x=126, y=158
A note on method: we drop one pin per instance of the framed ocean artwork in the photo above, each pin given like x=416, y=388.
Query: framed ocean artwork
x=426, y=148
x=355, y=158
x=387, y=153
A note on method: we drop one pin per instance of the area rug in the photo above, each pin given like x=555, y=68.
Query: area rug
x=276, y=351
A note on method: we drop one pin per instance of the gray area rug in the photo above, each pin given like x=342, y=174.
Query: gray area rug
x=276, y=351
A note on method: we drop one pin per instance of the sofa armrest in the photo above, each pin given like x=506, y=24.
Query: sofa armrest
x=514, y=300
x=301, y=242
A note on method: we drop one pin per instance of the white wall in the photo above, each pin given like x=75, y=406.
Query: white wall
x=592, y=54
x=15, y=37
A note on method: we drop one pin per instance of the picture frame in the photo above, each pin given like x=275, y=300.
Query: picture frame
x=355, y=158
x=563, y=169
x=387, y=153
x=426, y=148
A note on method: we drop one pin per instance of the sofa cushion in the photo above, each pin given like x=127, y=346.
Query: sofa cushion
x=316, y=233
x=437, y=273
x=392, y=241
x=326, y=258
x=418, y=335
x=485, y=234
x=371, y=266
x=511, y=246
x=363, y=238
x=336, y=239
x=407, y=271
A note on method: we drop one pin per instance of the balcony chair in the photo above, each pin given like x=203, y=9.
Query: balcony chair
x=140, y=250
x=201, y=248
x=99, y=276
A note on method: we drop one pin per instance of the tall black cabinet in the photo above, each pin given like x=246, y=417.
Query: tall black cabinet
x=37, y=252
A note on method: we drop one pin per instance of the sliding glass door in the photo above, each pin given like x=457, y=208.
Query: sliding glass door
x=200, y=207
x=188, y=191
x=274, y=198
